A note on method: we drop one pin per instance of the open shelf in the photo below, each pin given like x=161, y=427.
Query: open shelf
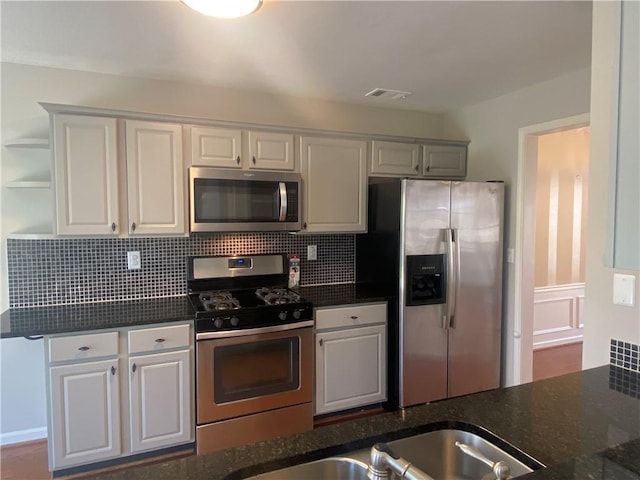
x=29, y=184
x=40, y=143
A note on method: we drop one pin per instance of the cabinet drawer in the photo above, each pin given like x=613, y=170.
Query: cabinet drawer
x=355, y=315
x=82, y=347
x=159, y=338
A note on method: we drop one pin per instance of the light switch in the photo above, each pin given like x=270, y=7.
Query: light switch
x=624, y=289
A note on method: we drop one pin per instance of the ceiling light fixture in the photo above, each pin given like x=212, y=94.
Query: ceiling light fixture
x=224, y=8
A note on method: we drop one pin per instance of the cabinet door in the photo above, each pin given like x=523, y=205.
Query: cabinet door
x=394, y=158
x=155, y=178
x=444, y=161
x=86, y=175
x=216, y=147
x=160, y=400
x=271, y=151
x=85, y=413
x=334, y=177
x=351, y=368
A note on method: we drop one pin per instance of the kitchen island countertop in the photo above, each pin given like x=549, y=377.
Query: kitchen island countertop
x=584, y=425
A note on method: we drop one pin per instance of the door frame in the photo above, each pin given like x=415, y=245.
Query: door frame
x=525, y=240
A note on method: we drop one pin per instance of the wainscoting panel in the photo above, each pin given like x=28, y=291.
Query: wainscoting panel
x=558, y=315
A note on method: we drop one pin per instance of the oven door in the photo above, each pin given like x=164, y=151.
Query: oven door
x=253, y=373
x=223, y=201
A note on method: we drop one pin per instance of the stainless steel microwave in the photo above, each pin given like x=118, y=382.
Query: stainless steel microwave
x=243, y=201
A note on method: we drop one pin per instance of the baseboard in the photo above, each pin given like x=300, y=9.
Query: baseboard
x=21, y=436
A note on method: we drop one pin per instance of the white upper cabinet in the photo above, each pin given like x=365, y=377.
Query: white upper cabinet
x=334, y=176
x=271, y=151
x=91, y=180
x=241, y=149
x=86, y=175
x=155, y=178
x=444, y=161
x=216, y=147
x=395, y=158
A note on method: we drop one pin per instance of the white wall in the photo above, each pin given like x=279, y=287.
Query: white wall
x=22, y=87
x=603, y=319
x=492, y=127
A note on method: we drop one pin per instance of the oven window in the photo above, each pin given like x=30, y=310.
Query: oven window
x=255, y=369
x=235, y=201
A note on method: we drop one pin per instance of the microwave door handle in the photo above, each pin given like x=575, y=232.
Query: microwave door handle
x=283, y=201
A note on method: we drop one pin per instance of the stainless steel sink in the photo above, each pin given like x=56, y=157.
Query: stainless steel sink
x=332, y=468
x=434, y=452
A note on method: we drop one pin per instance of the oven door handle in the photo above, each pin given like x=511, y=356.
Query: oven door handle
x=253, y=331
x=283, y=201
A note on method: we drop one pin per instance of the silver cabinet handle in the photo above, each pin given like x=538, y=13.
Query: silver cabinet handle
x=160, y=340
x=428, y=168
x=83, y=349
x=321, y=342
x=254, y=159
x=354, y=317
x=113, y=227
x=238, y=159
x=134, y=368
x=133, y=227
x=416, y=168
x=113, y=370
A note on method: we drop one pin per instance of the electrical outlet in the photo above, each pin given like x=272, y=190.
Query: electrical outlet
x=312, y=252
x=134, y=262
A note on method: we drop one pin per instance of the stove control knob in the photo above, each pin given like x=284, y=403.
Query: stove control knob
x=282, y=315
x=296, y=314
x=235, y=321
x=217, y=323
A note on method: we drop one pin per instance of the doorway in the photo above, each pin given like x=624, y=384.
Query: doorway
x=549, y=260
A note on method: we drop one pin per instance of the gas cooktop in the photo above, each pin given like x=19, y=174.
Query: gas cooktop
x=214, y=285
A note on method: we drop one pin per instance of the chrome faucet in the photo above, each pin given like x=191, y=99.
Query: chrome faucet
x=500, y=469
x=382, y=462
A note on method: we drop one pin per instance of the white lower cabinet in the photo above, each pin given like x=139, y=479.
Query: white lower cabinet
x=85, y=420
x=351, y=357
x=159, y=400
x=96, y=413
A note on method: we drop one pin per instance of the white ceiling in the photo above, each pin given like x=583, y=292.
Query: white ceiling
x=449, y=54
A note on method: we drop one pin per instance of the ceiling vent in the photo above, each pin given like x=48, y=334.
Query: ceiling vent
x=387, y=93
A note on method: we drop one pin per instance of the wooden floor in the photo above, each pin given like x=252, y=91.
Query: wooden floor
x=554, y=361
x=28, y=461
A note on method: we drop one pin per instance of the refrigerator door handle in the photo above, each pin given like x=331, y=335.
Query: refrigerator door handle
x=448, y=322
x=456, y=280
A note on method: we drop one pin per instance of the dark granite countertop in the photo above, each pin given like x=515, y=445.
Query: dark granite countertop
x=345, y=294
x=48, y=320
x=28, y=322
x=582, y=426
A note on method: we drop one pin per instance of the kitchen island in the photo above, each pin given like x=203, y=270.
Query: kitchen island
x=584, y=425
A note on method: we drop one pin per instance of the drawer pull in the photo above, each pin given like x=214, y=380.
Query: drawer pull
x=83, y=349
x=354, y=317
x=113, y=370
x=134, y=368
x=321, y=342
x=160, y=340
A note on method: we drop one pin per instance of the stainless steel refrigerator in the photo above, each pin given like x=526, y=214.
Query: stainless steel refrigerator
x=438, y=245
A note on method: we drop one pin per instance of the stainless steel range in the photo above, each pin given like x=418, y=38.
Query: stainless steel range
x=253, y=351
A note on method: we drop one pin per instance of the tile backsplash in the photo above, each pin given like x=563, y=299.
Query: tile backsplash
x=624, y=355
x=73, y=271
